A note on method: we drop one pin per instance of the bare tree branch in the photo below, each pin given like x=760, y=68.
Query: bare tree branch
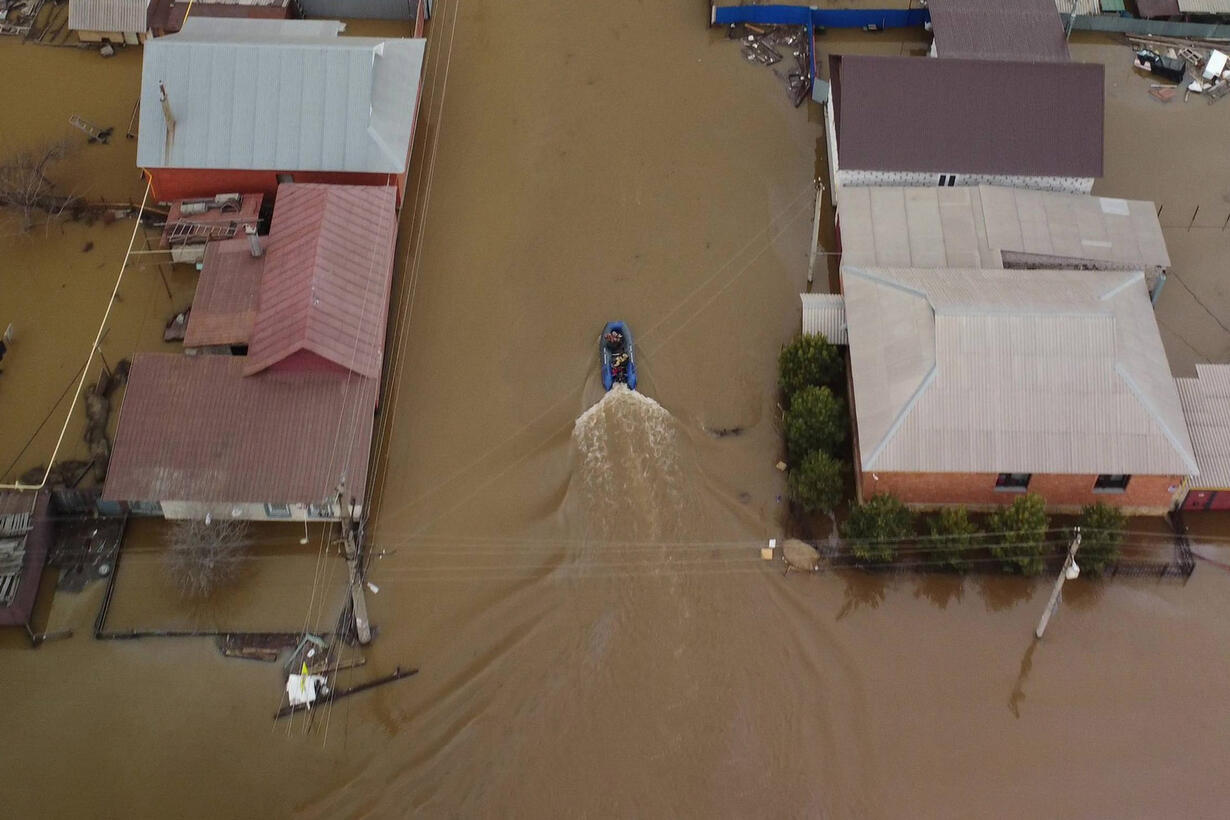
x=202, y=557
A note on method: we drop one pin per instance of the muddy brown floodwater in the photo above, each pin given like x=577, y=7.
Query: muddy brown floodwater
x=578, y=577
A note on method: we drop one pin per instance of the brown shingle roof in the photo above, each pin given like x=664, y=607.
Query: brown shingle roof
x=325, y=289
x=194, y=428
x=1027, y=30
x=224, y=307
x=969, y=116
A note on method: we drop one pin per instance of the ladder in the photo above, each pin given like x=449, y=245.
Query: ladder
x=91, y=130
x=1218, y=91
x=183, y=231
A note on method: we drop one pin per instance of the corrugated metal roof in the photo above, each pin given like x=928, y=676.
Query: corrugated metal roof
x=825, y=313
x=1028, y=30
x=969, y=116
x=973, y=226
x=1085, y=7
x=107, y=15
x=224, y=307
x=988, y=371
x=194, y=428
x=1204, y=6
x=1157, y=8
x=1206, y=406
x=328, y=273
x=279, y=95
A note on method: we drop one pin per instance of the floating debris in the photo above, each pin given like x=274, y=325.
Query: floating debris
x=768, y=46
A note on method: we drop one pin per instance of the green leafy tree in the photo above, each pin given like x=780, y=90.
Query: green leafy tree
x=1021, y=534
x=952, y=537
x=816, y=420
x=818, y=483
x=875, y=528
x=809, y=361
x=1101, y=536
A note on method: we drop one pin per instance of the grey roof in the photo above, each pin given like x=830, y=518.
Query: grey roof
x=107, y=15
x=969, y=116
x=1204, y=6
x=279, y=95
x=825, y=313
x=987, y=371
x=1157, y=8
x=974, y=226
x=1028, y=30
x=1206, y=406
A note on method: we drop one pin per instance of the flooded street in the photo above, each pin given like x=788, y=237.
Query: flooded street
x=577, y=574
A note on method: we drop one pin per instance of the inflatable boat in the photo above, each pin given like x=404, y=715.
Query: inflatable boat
x=618, y=362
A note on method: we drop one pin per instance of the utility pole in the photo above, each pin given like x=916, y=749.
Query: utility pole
x=1070, y=571
x=815, y=233
x=358, y=600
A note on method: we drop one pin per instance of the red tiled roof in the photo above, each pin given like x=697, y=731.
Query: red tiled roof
x=194, y=428
x=224, y=307
x=325, y=290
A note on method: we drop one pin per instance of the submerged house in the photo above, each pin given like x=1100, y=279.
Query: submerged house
x=25, y=539
x=949, y=122
x=969, y=386
x=992, y=227
x=242, y=106
x=1206, y=406
x=277, y=404
x=114, y=21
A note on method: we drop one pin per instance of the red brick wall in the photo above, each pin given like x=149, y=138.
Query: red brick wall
x=189, y=183
x=1063, y=493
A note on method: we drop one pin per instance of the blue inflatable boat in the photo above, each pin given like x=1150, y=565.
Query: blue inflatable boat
x=618, y=362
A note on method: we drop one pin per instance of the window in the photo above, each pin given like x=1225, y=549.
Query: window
x=1111, y=483
x=1013, y=482
x=277, y=510
x=948, y=180
x=285, y=178
x=324, y=510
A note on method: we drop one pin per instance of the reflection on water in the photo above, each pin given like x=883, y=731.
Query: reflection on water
x=863, y=589
x=1018, y=690
x=940, y=589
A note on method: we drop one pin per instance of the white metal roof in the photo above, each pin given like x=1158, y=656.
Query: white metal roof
x=1204, y=6
x=825, y=313
x=107, y=15
x=1082, y=7
x=279, y=95
x=990, y=371
x=973, y=227
x=1206, y=406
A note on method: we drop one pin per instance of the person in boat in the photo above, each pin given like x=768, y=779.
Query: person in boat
x=614, y=340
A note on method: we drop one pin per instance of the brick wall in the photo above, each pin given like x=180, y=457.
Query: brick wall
x=1145, y=495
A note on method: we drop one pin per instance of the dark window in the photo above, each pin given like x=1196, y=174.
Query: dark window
x=1111, y=483
x=320, y=510
x=285, y=178
x=277, y=510
x=948, y=180
x=1013, y=482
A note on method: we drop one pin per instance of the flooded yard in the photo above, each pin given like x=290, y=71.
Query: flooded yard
x=578, y=578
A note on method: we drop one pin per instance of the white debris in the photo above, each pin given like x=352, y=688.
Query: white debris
x=301, y=689
x=1215, y=66
x=375, y=589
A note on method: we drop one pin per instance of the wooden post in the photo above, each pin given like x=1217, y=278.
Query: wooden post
x=1063, y=575
x=815, y=233
x=363, y=627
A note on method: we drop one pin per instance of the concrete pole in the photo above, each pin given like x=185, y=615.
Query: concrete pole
x=1063, y=575
x=815, y=233
x=363, y=627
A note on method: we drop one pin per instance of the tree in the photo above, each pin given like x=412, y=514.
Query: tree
x=1101, y=536
x=201, y=557
x=1020, y=530
x=874, y=528
x=952, y=537
x=25, y=187
x=816, y=420
x=809, y=361
x=818, y=483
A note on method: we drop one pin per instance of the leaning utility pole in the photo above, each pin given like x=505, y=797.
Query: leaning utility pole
x=363, y=628
x=1069, y=572
x=815, y=233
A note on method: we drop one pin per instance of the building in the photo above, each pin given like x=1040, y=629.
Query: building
x=278, y=403
x=114, y=21
x=1206, y=406
x=969, y=386
x=1024, y=30
x=992, y=227
x=25, y=539
x=167, y=16
x=951, y=122
x=241, y=106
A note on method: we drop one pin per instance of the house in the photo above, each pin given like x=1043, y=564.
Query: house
x=950, y=122
x=25, y=539
x=241, y=106
x=1025, y=30
x=115, y=21
x=277, y=405
x=987, y=226
x=167, y=16
x=969, y=386
x=1206, y=406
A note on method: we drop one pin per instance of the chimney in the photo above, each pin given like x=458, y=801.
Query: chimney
x=254, y=242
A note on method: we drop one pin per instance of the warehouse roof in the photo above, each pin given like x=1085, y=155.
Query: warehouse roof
x=1028, y=30
x=969, y=116
x=989, y=371
x=976, y=226
x=1206, y=406
x=285, y=95
x=194, y=428
x=107, y=15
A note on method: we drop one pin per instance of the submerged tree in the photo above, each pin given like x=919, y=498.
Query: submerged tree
x=25, y=186
x=815, y=421
x=202, y=557
x=1101, y=536
x=1021, y=534
x=818, y=484
x=809, y=361
x=875, y=529
x=952, y=535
